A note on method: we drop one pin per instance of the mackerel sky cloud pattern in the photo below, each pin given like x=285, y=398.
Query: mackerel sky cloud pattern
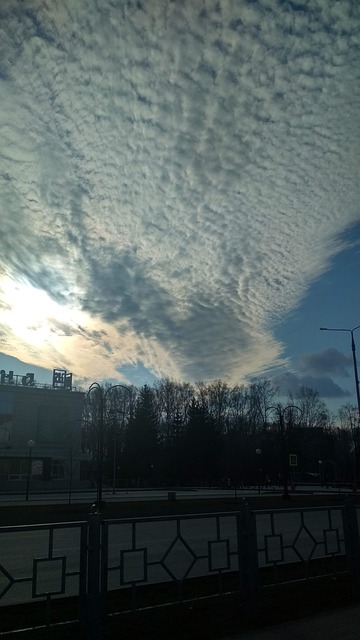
x=175, y=175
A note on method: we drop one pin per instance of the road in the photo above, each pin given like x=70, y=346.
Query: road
x=130, y=495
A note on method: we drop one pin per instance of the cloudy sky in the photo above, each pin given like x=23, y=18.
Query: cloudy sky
x=179, y=189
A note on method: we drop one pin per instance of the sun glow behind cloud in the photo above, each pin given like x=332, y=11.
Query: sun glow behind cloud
x=173, y=176
x=30, y=313
x=36, y=324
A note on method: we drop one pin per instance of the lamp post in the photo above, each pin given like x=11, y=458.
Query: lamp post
x=95, y=386
x=320, y=472
x=281, y=411
x=30, y=445
x=258, y=453
x=353, y=349
x=356, y=376
x=70, y=451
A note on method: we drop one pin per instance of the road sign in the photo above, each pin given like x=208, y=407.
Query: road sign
x=293, y=460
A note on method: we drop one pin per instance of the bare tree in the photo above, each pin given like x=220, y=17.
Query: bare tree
x=314, y=412
x=261, y=397
x=349, y=417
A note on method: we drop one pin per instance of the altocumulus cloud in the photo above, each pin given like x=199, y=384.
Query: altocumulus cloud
x=173, y=174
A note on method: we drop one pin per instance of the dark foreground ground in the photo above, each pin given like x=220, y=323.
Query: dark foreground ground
x=211, y=619
x=208, y=620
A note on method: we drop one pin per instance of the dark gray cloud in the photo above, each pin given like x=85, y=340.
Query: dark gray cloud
x=292, y=382
x=329, y=361
x=176, y=174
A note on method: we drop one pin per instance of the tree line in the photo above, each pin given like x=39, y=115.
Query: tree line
x=215, y=434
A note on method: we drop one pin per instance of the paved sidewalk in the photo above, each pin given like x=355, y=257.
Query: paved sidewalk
x=341, y=624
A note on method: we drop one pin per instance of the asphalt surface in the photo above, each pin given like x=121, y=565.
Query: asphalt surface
x=131, y=495
x=343, y=624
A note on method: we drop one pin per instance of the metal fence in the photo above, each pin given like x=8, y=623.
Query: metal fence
x=109, y=566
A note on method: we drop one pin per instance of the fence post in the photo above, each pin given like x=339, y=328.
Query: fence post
x=83, y=568
x=351, y=537
x=248, y=558
x=93, y=615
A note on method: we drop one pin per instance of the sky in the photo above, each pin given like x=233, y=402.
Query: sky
x=179, y=190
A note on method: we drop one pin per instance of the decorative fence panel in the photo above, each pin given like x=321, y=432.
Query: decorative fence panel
x=300, y=536
x=156, y=550
x=115, y=565
x=42, y=561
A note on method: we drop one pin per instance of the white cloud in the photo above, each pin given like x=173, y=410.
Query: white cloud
x=179, y=173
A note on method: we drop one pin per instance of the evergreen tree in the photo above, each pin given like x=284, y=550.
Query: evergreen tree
x=202, y=445
x=141, y=448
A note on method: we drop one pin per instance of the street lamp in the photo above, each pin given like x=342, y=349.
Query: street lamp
x=353, y=349
x=70, y=451
x=281, y=411
x=258, y=453
x=95, y=386
x=320, y=472
x=30, y=445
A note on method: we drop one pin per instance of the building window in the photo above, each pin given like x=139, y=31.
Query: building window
x=18, y=469
x=4, y=467
x=57, y=469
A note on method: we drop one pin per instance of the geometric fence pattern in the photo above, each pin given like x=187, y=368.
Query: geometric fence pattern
x=299, y=535
x=174, y=548
x=42, y=561
x=90, y=559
